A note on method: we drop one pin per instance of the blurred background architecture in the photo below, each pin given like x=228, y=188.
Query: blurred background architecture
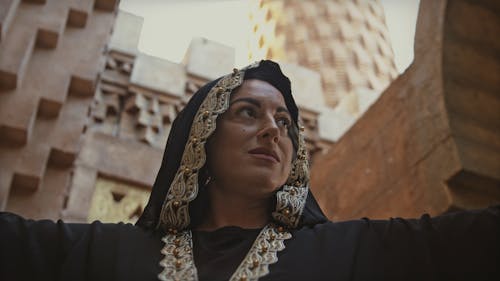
x=84, y=114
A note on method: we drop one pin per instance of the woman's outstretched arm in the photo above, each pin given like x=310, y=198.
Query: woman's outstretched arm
x=34, y=250
x=463, y=245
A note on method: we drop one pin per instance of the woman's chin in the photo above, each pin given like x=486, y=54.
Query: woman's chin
x=268, y=185
x=265, y=174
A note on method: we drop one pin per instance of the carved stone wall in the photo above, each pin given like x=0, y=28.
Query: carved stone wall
x=114, y=201
x=131, y=111
x=51, y=55
x=431, y=143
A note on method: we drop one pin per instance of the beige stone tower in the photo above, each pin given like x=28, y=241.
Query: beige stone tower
x=345, y=41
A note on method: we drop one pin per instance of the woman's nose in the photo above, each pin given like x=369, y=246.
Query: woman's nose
x=270, y=130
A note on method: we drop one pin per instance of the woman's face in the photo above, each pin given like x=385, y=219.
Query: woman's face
x=251, y=151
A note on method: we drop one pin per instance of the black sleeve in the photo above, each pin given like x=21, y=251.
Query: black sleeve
x=466, y=245
x=457, y=246
x=34, y=250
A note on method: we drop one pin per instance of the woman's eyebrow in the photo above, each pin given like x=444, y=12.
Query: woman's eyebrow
x=249, y=100
x=283, y=109
x=257, y=104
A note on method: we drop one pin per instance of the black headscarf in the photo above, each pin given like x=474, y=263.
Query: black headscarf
x=267, y=71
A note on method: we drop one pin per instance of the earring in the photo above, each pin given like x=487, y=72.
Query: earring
x=207, y=181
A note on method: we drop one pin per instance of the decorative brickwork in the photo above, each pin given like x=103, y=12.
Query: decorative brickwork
x=347, y=42
x=126, y=111
x=47, y=83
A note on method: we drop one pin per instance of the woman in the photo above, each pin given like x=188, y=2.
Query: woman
x=231, y=202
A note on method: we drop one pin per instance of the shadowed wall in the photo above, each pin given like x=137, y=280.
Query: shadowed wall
x=431, y=143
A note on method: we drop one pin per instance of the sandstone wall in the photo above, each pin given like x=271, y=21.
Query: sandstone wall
x=431, y=142
x=51, y=55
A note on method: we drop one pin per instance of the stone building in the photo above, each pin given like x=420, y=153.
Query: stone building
x=431, y=143
x=84, y=115
x=347, y=42
x=51, y=58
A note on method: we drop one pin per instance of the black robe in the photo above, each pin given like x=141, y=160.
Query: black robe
x=458, y=246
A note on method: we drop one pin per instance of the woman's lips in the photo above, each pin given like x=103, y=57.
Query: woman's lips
x=264, y=153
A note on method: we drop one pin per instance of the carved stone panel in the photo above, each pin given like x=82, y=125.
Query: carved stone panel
x=146, y=118
x=115, y=201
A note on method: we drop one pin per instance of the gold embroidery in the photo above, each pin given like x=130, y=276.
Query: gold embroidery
x=264, y=252
x=179, y=264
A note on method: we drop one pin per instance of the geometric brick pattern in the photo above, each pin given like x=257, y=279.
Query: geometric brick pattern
x=345, y=41
x=46, y=86
x=130, y=112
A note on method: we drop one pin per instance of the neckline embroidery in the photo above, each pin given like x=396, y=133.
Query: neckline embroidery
x=178, y=263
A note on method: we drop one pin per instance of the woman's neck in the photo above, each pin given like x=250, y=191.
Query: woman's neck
x=231, y=209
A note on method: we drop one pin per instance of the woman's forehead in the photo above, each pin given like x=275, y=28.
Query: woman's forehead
x=261, y=90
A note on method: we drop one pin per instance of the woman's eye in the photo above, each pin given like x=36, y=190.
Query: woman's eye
x=283, y=122
x=247, y=112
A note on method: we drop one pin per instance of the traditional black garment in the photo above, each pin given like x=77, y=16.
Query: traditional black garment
x=460, y=246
